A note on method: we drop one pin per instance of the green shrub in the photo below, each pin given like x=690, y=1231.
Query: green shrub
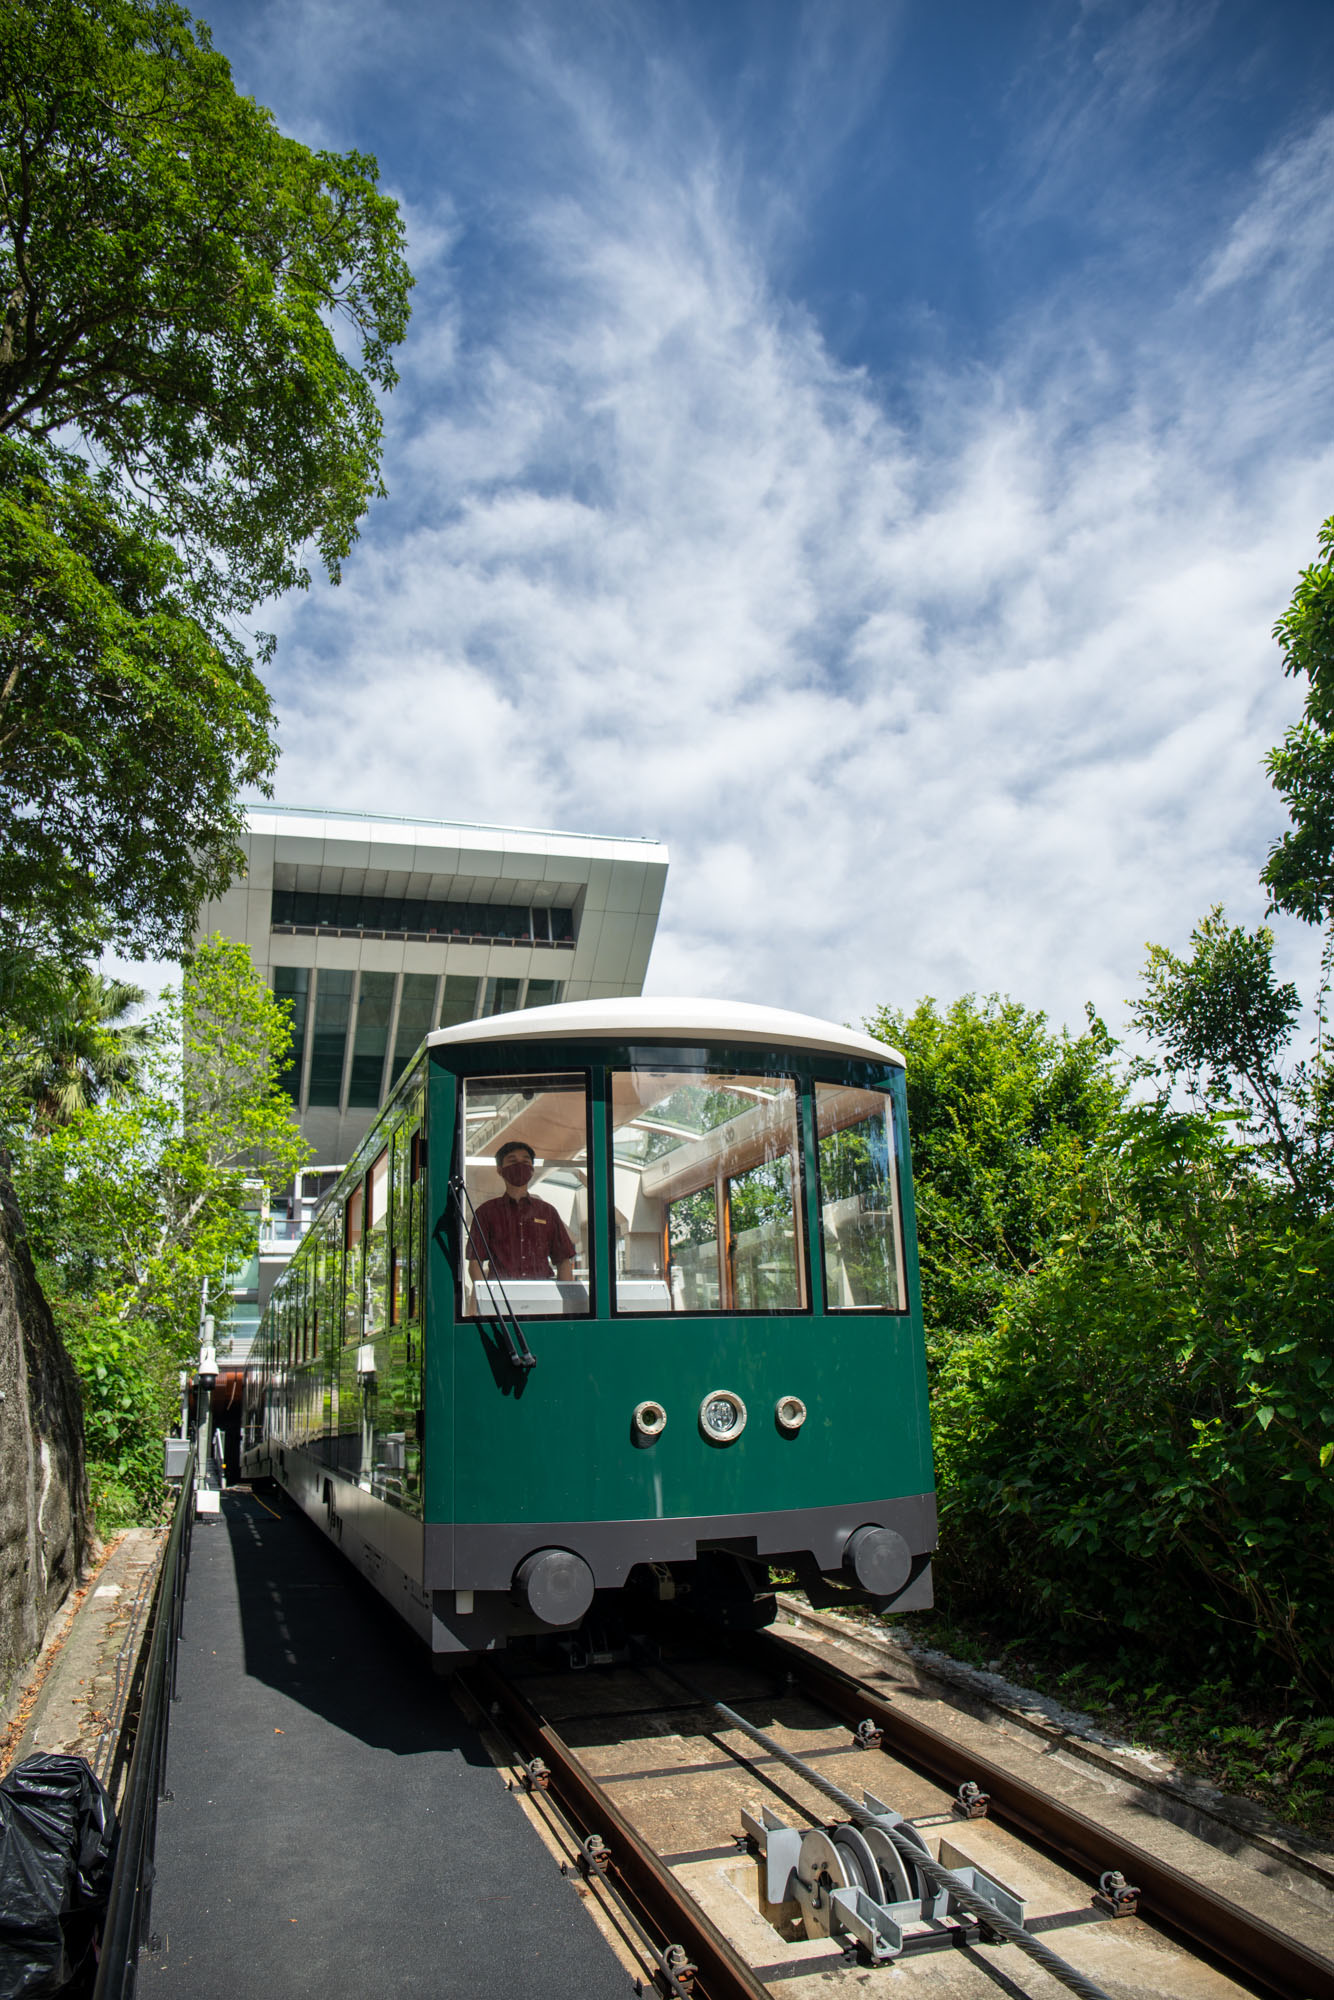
x=1139, y=1444
x=127, y=1410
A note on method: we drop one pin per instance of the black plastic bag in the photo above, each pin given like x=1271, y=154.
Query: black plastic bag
x=57, y=1849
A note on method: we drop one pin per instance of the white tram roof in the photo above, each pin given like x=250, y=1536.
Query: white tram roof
x=673, y=1020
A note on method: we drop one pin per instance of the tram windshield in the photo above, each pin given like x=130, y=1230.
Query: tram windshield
x=705, y=1191
x=524, y=1225
x=859, y=1218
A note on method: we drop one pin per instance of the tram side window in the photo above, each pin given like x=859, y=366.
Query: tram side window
x=377, y=1243
x=352, y=1269
x=417, y=1216
x=524, y=1229
x=705, y=1192
x=859, y=1201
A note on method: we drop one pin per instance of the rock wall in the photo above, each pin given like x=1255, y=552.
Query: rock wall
x=44, y=1520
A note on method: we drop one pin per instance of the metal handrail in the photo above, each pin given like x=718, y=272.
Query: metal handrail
x=125, y=1931
x=521, y=1355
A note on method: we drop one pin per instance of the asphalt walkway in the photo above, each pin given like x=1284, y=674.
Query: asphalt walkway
x=336, y=1828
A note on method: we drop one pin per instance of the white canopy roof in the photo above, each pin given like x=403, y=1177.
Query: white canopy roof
x=691, y=1021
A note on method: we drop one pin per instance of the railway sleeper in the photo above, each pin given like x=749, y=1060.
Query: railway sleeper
x=855, y=1883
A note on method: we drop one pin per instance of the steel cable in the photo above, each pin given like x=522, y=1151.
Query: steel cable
x=940, y=1877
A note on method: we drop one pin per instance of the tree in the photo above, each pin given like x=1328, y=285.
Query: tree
x=1225, y=1023
x=205, y=309
x=174, y=271
x=129, y=722
x=88, y=1051
x=999, y=1105
x=1299, y=873
x=136, y=1205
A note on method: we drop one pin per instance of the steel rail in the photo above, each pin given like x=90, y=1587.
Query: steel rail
x=661, y=1906
x=1278, y=1965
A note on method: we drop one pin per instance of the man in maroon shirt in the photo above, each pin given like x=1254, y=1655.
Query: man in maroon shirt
x=516, y=1235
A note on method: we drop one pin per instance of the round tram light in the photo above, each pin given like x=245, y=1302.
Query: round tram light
x=789, y=1414
x=650, y=1419
x=722, y=1416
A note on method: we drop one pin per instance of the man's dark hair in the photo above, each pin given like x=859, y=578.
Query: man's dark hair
x=514, y=1146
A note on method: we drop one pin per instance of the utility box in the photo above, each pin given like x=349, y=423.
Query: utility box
x=175, y=1457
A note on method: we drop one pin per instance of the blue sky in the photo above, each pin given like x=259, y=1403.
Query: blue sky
x=866, y=446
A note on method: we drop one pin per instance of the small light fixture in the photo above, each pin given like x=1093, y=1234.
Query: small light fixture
x=789, y=1414
x=722, y=1416
x=650, y=1419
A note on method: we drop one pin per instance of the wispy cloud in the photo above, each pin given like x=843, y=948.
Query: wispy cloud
x=972, y=698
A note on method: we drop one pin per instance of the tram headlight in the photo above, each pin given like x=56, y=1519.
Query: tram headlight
x=722, y=1416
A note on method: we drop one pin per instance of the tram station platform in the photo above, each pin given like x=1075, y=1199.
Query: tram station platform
x=335, y=1826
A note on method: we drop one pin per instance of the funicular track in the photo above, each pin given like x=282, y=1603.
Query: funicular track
x=691, y=1953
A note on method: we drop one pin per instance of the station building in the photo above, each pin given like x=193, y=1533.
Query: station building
x=377, y=930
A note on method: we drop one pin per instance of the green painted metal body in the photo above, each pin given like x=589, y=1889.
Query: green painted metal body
x=557, y=1444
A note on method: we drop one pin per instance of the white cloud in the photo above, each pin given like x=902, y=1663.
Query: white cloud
x=975, y=704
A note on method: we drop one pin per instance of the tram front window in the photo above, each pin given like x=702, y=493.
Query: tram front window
x=705, y=1192
x=524, y=1223
x=859, y=1206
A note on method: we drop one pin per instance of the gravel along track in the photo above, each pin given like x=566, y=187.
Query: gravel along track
x=678, y=1774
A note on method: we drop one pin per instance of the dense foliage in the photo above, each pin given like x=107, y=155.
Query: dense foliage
x=206, y=303
x=999, y=1106
x=196, y=314
x=130, y=720
x=1129, y=1318
x=1299, y=873
x=137, y=1205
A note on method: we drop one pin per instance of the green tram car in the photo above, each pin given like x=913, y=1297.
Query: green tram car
x=711, y=1363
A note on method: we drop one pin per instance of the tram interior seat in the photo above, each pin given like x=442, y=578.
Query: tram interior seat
x=529, y=1295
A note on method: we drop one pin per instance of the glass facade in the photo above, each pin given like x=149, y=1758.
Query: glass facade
x=365, y=1009
x=542, y=993
x=413, y=916
x=292, y=983
x=415, y=1007
x=502, y=996
x=375, y=1007
x=328, y=1042
x=460, y=1000
x=705, y=1188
